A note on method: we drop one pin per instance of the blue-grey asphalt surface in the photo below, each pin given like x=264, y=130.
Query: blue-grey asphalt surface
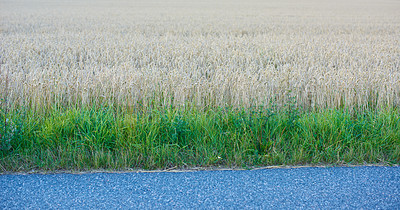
x=342, y=187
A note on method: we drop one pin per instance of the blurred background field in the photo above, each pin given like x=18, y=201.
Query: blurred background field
x=214, y=53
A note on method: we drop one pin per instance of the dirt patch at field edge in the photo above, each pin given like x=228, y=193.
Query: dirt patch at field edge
x=194, y=169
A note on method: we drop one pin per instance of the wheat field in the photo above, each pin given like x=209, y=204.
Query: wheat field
x=316, y=54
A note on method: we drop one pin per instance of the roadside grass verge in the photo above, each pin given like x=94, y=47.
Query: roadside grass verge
x=81, y=139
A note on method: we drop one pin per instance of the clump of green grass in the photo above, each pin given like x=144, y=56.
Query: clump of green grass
x=104, y=138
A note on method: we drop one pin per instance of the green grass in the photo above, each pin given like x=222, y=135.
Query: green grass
x=110, y=138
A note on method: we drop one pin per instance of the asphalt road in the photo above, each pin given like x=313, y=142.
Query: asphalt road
x=344, y=187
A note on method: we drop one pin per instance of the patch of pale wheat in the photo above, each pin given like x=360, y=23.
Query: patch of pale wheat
x=251, y=54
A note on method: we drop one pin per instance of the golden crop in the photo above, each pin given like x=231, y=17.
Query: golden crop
x=317, y=54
